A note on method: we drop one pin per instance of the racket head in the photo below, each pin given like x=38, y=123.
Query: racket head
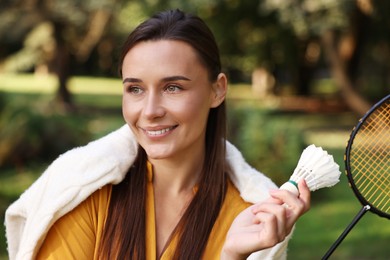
x=367, y=159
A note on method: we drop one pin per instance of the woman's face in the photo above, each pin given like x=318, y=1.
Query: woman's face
x=167, y=96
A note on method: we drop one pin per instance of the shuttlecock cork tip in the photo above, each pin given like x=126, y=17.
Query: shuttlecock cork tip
x=317, y=167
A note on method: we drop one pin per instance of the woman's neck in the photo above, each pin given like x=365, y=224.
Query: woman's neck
x=176, y=176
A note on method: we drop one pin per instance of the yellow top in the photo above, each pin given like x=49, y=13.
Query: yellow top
x=77, y=234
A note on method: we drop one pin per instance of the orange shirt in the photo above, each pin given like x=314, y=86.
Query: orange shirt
x=77, y=234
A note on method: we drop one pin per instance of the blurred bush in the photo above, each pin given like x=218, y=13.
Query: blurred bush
x=30, y=134
x=270, y=141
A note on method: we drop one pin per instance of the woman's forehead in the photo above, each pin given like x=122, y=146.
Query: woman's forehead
x=162, y=55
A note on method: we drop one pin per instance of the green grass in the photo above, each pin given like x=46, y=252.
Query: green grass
x=27, y=83
x=332, y=209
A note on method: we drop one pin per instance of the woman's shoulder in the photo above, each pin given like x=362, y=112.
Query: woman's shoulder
x=82, y=225
x=102, y=195
x=99, y=201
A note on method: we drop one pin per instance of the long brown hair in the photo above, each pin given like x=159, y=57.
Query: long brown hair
x=124, y=233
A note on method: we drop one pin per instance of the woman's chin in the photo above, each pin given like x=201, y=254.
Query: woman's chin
x=156, y=154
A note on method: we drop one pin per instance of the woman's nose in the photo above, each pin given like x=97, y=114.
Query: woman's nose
x=153, y=106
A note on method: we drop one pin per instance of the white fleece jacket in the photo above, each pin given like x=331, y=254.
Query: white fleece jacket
x=75, y=175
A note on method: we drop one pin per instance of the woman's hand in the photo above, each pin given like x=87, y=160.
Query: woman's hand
x=265, y=224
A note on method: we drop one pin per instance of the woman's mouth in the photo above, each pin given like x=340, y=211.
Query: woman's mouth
x=159, y=131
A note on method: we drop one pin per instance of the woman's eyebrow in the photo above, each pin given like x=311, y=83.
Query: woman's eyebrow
x=175, y=78
x=132, y=80
x=166, y=79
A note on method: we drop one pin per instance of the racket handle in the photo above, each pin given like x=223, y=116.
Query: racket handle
x=346, y=231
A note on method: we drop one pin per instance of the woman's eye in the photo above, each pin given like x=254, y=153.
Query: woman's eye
x=172, y=88
x=134, y=90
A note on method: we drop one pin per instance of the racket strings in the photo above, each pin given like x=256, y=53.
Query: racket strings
x=366, y=151
x=375, y=190
x=375, y=166
x=370, y=158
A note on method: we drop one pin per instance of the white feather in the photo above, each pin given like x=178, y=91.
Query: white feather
x=318, y=169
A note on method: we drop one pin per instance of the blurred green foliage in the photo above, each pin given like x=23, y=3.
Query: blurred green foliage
x=269, y=140
x=30, y=133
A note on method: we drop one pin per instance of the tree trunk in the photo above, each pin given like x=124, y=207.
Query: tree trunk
x=62, y=71
x=61, y=67
x=97, y=26
x=306, y=67
x=357, y=103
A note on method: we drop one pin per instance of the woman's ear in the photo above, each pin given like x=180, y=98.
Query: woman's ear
x=219, y=90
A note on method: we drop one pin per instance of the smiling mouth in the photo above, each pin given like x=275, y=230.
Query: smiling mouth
x=160, y=131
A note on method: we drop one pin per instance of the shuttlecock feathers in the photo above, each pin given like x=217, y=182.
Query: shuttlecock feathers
x=318, y=169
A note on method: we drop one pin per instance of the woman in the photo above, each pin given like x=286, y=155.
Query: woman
x=172, y=187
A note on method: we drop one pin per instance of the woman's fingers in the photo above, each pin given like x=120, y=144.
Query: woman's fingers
x=304, y=194
x=267, y=223
x=253, y=232
x=294, y=206
x=273, y=217
x=264, y=230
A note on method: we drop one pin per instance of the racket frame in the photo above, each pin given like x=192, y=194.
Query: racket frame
x=351, y=181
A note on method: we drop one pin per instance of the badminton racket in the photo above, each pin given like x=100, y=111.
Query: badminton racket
x=367, y=163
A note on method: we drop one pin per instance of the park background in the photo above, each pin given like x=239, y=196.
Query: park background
x=300, y=72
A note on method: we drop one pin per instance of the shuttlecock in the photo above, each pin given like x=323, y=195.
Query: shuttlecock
x=318, y=169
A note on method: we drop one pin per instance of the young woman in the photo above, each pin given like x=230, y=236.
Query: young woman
x=167, y=185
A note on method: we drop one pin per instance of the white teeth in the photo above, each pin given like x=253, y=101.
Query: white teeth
x=159, y=132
